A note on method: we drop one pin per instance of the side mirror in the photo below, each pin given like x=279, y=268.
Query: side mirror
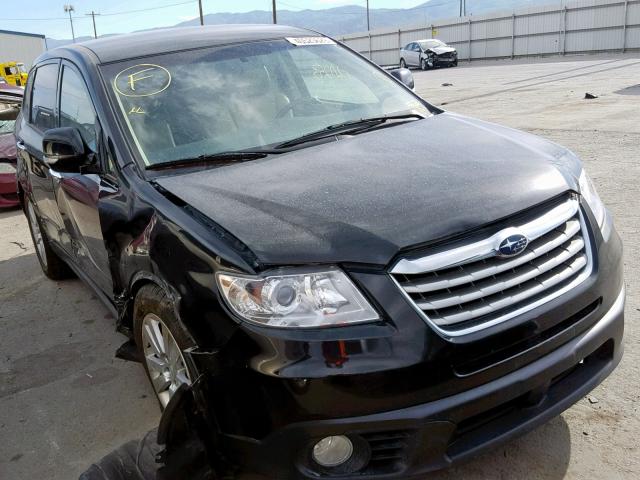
x=404, y=75
x=64, y=150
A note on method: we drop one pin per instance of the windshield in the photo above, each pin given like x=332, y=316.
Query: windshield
x=432, y=44
x=248, y=96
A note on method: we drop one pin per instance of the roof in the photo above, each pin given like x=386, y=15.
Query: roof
x=140, y=44
x=22, y=34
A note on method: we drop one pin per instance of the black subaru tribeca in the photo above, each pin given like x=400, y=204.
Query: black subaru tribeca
x=345, y=280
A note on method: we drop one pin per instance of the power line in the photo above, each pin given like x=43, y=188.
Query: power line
x=148, y=9
x=323, y=11
x=103, y=14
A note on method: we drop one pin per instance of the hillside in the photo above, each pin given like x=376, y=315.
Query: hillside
x=353, y=18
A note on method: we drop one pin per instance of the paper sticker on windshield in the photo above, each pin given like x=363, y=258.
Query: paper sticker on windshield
x=300, y=41
x=142, y=80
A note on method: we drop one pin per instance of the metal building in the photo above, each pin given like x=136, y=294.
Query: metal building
x=21, y=47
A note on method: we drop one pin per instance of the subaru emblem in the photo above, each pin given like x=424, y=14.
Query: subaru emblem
x=512, y=245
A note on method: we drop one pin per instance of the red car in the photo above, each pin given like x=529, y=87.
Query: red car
x=10, y=101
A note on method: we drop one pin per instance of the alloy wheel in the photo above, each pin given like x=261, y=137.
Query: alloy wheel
x=163, y=357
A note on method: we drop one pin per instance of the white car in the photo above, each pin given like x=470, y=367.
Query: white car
x=428, y=54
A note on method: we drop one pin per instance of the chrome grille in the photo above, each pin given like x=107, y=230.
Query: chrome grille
x=470, y=287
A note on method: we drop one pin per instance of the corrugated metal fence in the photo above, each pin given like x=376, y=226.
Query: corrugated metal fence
x=566, y=27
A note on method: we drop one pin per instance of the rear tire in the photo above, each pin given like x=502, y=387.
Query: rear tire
x=161, y=338
x=52, y=265
x=403, y=64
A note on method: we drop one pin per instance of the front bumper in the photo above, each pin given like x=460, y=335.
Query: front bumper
x=438, y=60
x=412, y=441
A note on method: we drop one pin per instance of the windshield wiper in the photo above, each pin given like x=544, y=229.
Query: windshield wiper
x=352, y=126
x=222, y=158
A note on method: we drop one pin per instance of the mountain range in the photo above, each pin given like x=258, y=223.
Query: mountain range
x=352, y=18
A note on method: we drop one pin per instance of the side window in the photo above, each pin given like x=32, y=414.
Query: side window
x=76, y=107
x=43, y=98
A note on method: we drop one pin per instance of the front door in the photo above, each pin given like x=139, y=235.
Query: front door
x=415, y=54
x=78, y=194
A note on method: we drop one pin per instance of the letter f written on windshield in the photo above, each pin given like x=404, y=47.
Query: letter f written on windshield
x=133, y=78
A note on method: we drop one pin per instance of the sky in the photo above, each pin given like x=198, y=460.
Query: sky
x=118, y=16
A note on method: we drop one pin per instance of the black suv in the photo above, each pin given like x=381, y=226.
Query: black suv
x=346, y=280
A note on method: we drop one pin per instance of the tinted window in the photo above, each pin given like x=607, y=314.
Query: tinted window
x=76, y=107
x=43, y=98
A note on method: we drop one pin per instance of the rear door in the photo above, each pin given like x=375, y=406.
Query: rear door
x=38, y=115
x=78, y=194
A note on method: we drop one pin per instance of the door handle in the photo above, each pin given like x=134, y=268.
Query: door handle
x=20, y=144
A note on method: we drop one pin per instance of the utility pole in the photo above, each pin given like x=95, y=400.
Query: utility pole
x=273, y=9
x=460, y=7
x=368, y=21
x=201, y=16
x=68, y=9
x=93, y=17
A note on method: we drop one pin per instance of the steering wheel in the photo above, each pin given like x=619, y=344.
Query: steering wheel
x=284, y=110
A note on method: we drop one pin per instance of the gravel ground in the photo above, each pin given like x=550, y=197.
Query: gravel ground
x=65, y=401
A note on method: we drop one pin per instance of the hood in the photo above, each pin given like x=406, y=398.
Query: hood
x=441, y=50
x=7, y=146
x=362, y=199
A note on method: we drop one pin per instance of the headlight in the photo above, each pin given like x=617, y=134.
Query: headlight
x=296, y=299
x=588, y=192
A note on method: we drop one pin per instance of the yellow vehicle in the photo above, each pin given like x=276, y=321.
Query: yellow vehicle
x=14, y=73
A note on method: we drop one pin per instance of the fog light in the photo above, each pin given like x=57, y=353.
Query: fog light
x=332, y=451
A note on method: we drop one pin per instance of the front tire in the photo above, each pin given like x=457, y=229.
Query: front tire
x=161, y=338
x=52, y=265
x=423, y=64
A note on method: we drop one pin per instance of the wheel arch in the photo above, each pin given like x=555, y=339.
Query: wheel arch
x=138, y=281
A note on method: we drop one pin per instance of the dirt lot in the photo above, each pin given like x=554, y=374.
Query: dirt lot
x=66, y=401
